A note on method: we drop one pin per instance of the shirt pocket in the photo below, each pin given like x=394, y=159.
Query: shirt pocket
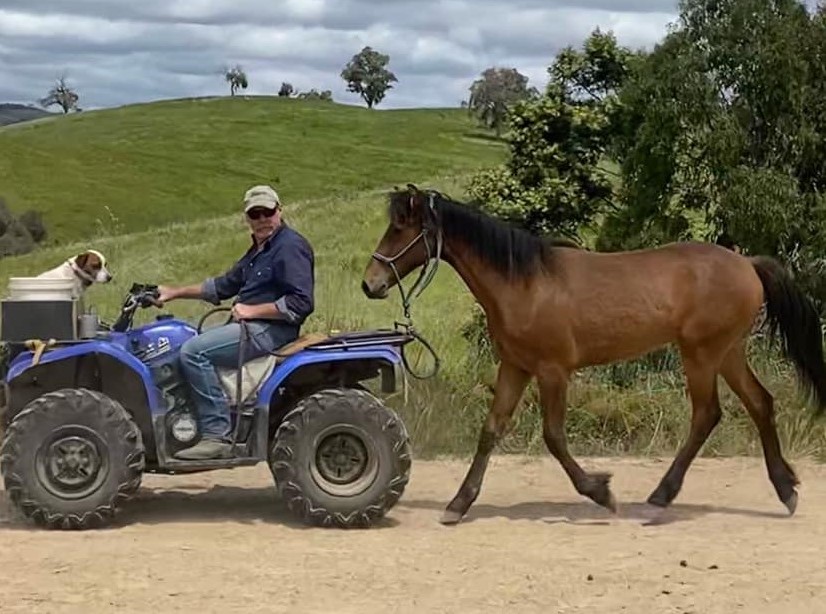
x=262, y=274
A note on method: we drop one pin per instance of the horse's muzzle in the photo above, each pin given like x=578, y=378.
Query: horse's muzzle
x=378, y=292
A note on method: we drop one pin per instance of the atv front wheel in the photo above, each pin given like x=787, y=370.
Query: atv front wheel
x=341, y=458
x=70, y=458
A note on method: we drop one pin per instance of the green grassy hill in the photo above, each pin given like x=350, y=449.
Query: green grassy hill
x=142, y=166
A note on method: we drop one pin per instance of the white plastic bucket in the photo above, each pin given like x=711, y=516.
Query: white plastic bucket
x=40, y=289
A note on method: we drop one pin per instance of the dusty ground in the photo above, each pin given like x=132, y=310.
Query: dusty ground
x=222, y=543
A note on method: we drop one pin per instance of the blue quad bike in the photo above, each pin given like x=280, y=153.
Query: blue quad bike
x=86, y=418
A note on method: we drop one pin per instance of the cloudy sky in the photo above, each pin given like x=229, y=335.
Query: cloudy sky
x=116, y=52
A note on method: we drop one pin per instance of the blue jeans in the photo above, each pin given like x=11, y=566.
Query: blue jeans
x=218, y=347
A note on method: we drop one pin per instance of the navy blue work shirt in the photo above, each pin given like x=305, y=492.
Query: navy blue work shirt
x=281, y=273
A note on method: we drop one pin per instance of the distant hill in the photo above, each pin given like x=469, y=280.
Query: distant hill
x=141, y=166
x=12, y=113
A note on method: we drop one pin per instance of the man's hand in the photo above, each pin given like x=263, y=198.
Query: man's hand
x=245, y=312
x=165, y=294
x=169, y=293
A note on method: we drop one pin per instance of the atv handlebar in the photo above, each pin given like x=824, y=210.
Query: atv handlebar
x=139, y=295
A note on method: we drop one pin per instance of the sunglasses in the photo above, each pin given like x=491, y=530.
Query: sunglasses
x=255, y=214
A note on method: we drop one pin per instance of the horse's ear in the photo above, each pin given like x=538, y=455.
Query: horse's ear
x=412, y=187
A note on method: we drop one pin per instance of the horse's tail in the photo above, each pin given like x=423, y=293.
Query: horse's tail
x=793, y=314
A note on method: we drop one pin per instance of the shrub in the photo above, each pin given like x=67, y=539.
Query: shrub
x=19, y=235
x=33, y=221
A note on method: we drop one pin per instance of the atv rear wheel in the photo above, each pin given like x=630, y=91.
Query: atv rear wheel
x=70, y=458
x=341, y=458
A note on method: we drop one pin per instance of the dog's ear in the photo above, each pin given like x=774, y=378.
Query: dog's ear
x=82, y=259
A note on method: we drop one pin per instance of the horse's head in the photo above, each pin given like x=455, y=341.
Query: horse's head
x=410, y=241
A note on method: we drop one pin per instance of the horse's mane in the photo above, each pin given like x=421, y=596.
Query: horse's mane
x=511, y=250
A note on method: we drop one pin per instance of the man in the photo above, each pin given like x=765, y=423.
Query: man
x=274, y=284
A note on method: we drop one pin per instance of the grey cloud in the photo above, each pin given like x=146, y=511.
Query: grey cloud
x=328, y=13
x=117, y=53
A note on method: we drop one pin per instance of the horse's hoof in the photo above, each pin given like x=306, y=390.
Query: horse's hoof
x=652, y=514
x=791, y=503
x=450, y=518
x=611, y=504
x=598, y=490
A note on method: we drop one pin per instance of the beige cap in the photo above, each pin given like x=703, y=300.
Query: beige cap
x=261, y=196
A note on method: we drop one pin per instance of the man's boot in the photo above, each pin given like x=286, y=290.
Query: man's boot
x=206, y=449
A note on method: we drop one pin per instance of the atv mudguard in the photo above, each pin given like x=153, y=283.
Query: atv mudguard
x=24, y=361
x=312, y=356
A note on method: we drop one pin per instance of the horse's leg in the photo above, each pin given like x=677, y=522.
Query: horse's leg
x=760, y=405
x=701, y=368
x=510, y=385
x=553, y=390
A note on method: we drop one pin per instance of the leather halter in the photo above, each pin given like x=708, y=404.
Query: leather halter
x=427, y=272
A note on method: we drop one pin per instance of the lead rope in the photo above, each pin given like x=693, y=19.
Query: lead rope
x=239, y=376
x=425, y=277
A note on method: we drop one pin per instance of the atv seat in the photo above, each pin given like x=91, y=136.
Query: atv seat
x=256, y=371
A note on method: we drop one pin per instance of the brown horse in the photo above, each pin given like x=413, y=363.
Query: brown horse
x=552, y=310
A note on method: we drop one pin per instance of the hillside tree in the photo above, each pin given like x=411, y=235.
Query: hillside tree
x=554, y=180
x=494, y=92
x=367, y=74
x=237, y=78
x=286, y=90
x=62, y=95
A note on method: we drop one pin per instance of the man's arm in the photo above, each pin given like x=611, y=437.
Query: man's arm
x=213, y=289
x=298, y=275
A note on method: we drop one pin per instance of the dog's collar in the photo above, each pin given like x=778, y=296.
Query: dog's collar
x=89, y=279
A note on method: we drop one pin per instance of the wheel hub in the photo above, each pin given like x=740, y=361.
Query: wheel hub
x=345, y=462
x=71, y=464
x=341, y=458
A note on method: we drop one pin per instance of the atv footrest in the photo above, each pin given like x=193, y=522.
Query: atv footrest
x=215, y=463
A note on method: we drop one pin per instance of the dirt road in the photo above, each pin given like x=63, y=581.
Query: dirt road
x=222, y=543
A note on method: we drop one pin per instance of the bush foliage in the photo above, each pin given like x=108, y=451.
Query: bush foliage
x=19, y=235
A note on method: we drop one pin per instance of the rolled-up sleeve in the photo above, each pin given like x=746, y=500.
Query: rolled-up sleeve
x=295, y=270
x=216, y=289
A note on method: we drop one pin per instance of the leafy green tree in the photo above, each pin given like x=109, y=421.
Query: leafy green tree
x=494, y=92
x=555, y=180
x=723, y=128
x=366, y=74
x=596, y=73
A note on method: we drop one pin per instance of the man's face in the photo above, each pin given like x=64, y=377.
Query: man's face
x=263, y=221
